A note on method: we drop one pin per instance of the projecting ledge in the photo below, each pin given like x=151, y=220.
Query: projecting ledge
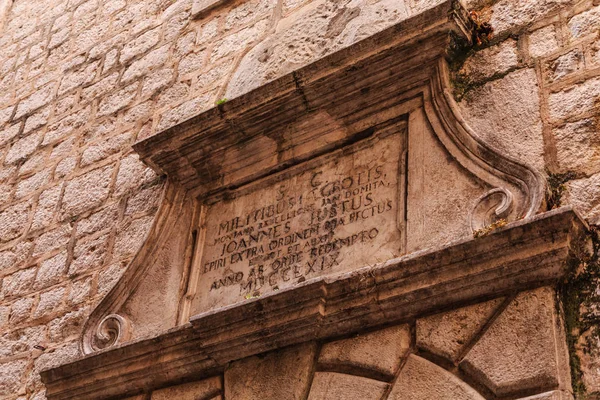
x=525, y=254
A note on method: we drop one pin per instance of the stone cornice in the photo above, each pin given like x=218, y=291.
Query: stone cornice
x=524, y=254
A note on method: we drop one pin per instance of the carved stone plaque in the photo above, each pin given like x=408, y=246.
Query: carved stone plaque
x=335, y=213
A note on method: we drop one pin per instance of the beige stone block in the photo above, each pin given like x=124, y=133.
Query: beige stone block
x=18, y=283
x=283, y=374
x=519, y=350
x=380, y=351
x=331, y=385
x=491, y=61
x=574, y=100
x=86, y=191
x=23, y=148
x=448, y=333
x=205, y=389
x=584, y=23
x=578, y=146
x=201, y=7
x=13, y=221
x=510, y=15
x=565, y=65
x=505, y=113
x=423, y=380
x=543, y=41
x=140, y=45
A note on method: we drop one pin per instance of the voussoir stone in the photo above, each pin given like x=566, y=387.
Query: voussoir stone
x=380, y=351
x=204, y=389
x=448, y=333
x=282, y=374
x=518, y=351
x=423, y=380
x=333, y=385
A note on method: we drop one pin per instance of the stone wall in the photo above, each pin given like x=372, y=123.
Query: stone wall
x=80, y=81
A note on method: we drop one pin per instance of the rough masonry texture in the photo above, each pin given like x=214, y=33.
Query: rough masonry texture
x=82, y=81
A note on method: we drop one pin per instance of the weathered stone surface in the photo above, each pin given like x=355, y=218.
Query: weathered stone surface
x=140, y=45
x=506, y=114
x=575, y=100
x=505, y=361
x=422, y=380
x=332, y=385
x=88, y=255
x=86, y=191
x=309, y=35
x=584, y=23
x=565, y=65
x=446, y=334
x=13, y=221
x=508, y=15
x=18, y=283
x=204, y=389
x=11, y=375
x=50, y=302
x=491, y=61
x=51, y=271
x=584, y=194
x=23, y=148
x=283, y=374
x=578, y=146
x=380, y=351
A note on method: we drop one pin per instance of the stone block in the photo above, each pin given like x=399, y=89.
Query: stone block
x=130, y=237
x=491, y=61
x=69, y=326
x=99, y=88
x=578, y=146
x=565, y=65
x=37, y=100
x=78, y=77
x=19, y=283
x=205, y=389
x=380, y=351
x=30, y=185
x=15, y=256
x=98, y=221
x=447, y=334
x=50, y=302
x=146, y=200
x=13, y=221
x=80, y=291
x=283, y=374
x=140, y=45
x=86, y=191
x=144, y=65
x=109, y=277
x=20, y=310
x=8, y=133
x=543, y=42
x=555, y=395
x=575, y=100
x=192, y=62
x=201, y=7
x=247, y=12
x=504, y=361
x=104, y=148
x=506, y=115
x=185, y=111
x=88, y=255
x=118, y=100
x=53, y=239
x=332, y=385
x=509, y=16
x=132, y=174
x=11, y=376
x=585, y=23
x=23, y=148
x=64, y=127
x=51, y=271
x=423, y=380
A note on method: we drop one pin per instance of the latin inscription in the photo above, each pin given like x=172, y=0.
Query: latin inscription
x=329, y=218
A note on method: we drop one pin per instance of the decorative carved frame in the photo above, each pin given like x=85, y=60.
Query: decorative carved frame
x=389, y=75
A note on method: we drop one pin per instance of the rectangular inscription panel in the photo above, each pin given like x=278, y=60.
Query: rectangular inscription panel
x=333, y=214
